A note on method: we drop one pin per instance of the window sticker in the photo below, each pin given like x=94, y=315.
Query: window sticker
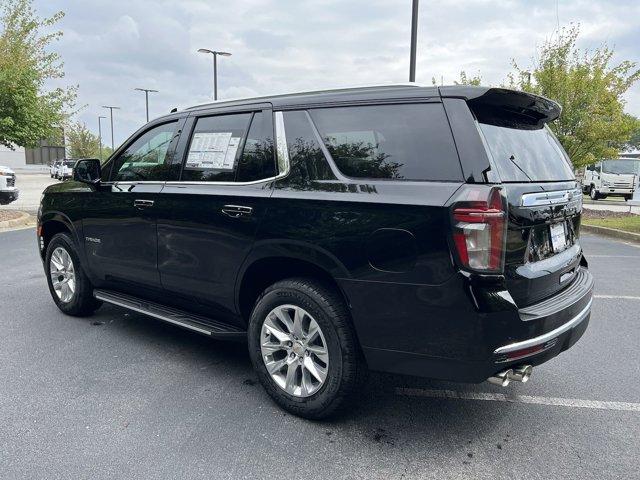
x=212, y=151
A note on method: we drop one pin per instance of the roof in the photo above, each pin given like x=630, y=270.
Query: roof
x=369, y=92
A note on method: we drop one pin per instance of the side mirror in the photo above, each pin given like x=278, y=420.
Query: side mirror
x=87, y=171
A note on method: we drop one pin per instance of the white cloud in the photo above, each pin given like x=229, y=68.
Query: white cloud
x=112, y=46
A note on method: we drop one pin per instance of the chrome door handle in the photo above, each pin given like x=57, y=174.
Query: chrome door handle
x=237, y=211
x=140, y=204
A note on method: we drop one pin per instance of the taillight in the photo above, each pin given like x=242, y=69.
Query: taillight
x=479, y=228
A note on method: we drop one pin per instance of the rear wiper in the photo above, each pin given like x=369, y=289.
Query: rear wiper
x=513, y=160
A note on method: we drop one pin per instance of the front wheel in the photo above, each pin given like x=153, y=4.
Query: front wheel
x=304, y=348
x=593, y=193
x=69, y=286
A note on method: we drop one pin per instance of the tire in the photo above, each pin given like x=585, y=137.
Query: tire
x=345, y=370
x=80, y=302
x=627, y=197
x=593, y=193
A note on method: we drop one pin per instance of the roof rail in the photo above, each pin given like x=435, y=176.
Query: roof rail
x=309, y=92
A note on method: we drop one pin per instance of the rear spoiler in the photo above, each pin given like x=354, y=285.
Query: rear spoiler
x=504, y=107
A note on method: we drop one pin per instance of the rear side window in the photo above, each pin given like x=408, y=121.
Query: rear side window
x=395, y=142
x=215, y=147
x=305, y=155
x=258, y=160
x=526, y=155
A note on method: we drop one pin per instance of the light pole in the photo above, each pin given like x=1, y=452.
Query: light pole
x=215, y=67
x=146, y=97
x=100, y=117
x=111, y=109
x=414, y=41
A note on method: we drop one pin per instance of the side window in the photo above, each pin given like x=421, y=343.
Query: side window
x=258, y=161
x=398, y=142
x=149, y=157
x=215, y=147
x=305, y=155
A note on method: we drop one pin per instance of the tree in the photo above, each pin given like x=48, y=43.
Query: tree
x=464, y=80
x=593, y=124
x=81, y=142
x=634, y=139
x=29, y=112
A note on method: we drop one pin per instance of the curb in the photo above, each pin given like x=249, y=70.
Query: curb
x=23, y=219
x=612, y=232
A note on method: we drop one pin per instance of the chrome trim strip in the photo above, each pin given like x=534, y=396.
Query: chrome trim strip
x=550, y=198
x=547, y=336
x=174, y=183
x=98, y=296
x=282, y=150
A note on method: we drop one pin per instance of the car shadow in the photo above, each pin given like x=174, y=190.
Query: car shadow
x=381, y=416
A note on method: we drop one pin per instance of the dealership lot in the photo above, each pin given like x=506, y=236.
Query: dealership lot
x=119, y=394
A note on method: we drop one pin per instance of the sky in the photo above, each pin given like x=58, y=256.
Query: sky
x=111, y=47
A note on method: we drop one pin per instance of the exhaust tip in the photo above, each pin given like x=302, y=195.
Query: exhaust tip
x=521, y=374
x=502, y=378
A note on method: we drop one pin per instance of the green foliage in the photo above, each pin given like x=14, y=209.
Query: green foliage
x=29, y=112
x=593, y=124
x=81, y=142
x=634, y=140
x=466, y=80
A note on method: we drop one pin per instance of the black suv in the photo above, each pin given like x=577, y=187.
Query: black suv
x=416, y=230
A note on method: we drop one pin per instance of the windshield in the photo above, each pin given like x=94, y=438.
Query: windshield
x=626, y=167
x=525, y=155
x=70, y=164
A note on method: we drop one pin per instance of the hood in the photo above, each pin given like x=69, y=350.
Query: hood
x=4, y=169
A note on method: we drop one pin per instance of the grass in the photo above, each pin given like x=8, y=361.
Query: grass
x=629, y=223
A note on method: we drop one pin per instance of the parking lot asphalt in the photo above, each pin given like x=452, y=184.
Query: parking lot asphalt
x=31, y=185
x=120, y=395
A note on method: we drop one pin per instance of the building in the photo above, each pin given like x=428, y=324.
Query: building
x=27, y=158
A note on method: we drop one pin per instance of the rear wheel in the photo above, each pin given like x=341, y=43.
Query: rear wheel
x=628, y=197
x=69, y=286
x=304, y=349
x=593, y=193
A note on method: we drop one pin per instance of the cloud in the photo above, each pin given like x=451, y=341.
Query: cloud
x=111, y=47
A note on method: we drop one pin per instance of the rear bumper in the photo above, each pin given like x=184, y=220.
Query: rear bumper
x=449, y=338
x=8, y=196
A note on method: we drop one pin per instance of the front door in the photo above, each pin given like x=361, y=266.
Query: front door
x=119, y=222
x=208, y=220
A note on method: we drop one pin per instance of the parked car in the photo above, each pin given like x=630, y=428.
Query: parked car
x=8, y=191
x=616, y=178
x=416, y=230
x=64, y=169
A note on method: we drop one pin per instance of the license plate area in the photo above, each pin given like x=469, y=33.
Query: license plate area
x=558, y=235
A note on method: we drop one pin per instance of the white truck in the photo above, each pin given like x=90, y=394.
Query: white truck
x=8, y=190
x=615, y=177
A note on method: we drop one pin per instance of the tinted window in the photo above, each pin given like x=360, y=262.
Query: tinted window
x=305, y=155
x=403, y=142
x=149, y=156
x=215, y=147
x=526, y=155
x=257, y=161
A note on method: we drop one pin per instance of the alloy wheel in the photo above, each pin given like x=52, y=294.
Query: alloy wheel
x=294, y=350
x=63, y=274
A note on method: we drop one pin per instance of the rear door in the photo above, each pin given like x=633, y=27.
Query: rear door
x=207, y=220
x=544, y=200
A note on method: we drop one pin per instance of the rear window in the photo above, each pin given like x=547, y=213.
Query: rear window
x=526, y=155
x=395, y=142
